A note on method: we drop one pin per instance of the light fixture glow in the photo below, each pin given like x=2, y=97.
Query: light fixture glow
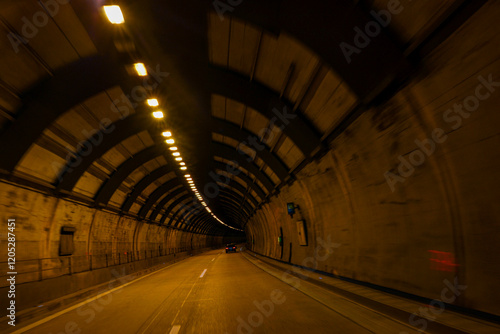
x=153, y=102
x=187, y=175
x=140, y=69
x=173, y=148
x=183, y=168
x=167, y=134
x=170, y=141
x=176, y=154
x=114, y=14
x=178, y=159
x=158, y=114
x=182, y=163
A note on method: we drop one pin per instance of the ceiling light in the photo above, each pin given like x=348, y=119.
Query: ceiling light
x=170, y=141
x=173, y=148
x=183, y=168
x=158, y=114
x=141, y=69
x=153, y=102
x=176, y=154
x=114, y=14
x=167, y=134
x=187, y=175
x=178, y=159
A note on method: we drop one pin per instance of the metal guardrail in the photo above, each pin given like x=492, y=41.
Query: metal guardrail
x=45, y=268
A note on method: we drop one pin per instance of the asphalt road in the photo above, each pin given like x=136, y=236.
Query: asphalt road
x=213, y=292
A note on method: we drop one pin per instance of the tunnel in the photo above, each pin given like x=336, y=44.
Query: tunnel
x=249, y=166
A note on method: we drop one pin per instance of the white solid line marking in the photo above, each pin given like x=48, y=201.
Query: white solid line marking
x=175, y=329
x=203, y=273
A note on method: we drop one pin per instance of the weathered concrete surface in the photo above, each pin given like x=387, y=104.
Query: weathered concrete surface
x=440, y=219
x=102, y=239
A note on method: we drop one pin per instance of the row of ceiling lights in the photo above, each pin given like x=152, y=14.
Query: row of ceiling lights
x=115, y=16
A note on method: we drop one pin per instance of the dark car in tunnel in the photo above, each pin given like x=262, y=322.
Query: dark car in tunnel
x=230, y=248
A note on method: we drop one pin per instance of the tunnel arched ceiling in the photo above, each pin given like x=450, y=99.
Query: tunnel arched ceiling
x=251, y=95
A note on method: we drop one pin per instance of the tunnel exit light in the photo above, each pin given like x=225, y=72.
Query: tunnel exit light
x=114, y=14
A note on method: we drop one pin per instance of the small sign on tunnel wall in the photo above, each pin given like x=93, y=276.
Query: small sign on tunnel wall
x=302, y=233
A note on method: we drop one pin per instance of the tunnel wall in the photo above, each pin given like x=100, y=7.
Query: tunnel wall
x=104, y=243
x=436, y=224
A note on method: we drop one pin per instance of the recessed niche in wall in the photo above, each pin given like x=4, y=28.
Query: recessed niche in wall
x=66, y=244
